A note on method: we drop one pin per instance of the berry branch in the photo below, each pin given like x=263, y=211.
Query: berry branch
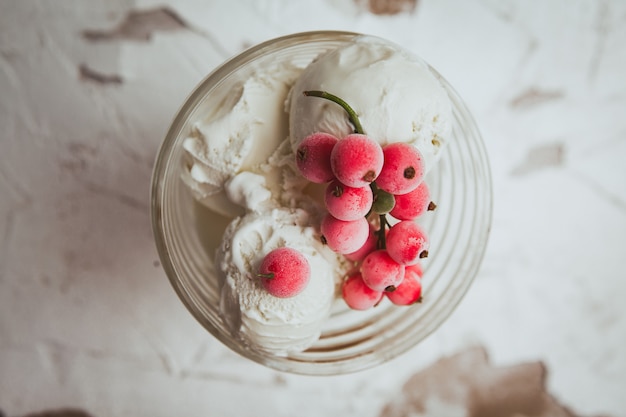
x=365, y=182
x=383, y=201
x=382, y=240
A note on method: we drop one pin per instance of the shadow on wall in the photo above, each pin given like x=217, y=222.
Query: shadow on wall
x=388, y=7
x=64, y=412
x=467, y=385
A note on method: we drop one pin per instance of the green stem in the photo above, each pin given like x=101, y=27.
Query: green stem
x=354, y=119
x=267, y=276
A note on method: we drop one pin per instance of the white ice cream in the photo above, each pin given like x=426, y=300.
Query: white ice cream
x=242, y=135
x=276, y=325
x=395, y=95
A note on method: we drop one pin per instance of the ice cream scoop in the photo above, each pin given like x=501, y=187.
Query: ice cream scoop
x=261, y=320
x=240, y=135
x=396, y=96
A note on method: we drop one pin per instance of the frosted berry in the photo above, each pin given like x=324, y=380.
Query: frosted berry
x=403, y=169
x=356, y=160
x=413, y=204
x=313, y=157
x=408, y=292
x=417, y=268
x=284, y=272
x=363, y=251
x=357, y=295
x=344, y=236
x=348, y=203
x=407, y=242
x=380, y=272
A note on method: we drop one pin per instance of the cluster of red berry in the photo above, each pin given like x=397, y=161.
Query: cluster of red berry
x=366, y=182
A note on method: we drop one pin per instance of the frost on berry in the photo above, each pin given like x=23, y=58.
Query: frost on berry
x=413, y=204
x=344, y=236
x=407, y=242
x=368, y=246
x=313, y=157
x=402, y=170
x=347, y=203
x=380, y=272
x=416, y=268
x=356, y=160
x=284, y=272
x=408, y=292
x=357, y=295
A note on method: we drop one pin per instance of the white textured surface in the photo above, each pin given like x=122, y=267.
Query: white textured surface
x=87, y=317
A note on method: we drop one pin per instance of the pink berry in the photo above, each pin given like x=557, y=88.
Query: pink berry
x=284, y=272
x=313, y=157
x=356, y=160
x=380, y=272
x=408, y=292
x=412, y=204
x=403, y=169
x=357, y=295
x=363, y=251
x=348, y=203
x=417, y=268
x=407, y=242
x=344, y=236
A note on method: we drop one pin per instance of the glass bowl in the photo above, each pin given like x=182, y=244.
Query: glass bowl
x=187, y=234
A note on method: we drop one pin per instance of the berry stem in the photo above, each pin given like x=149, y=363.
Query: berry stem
x=380, y=233
x=266, y=276
x=382, y=239
x=354, y=119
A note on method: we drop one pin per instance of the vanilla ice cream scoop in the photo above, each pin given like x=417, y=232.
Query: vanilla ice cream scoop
x=275, y=325
x=241, y=134
x=395, y=95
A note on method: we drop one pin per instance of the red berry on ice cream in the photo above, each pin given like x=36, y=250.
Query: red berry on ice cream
x=348, y=203
x=380, y=272
x=407, y=242
x=284, y=272
x=356, y=160
x=403, y=169
x=408, y=292
x=313, y=157
x=344, y=236
x=357, y=295
x=412, y=204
